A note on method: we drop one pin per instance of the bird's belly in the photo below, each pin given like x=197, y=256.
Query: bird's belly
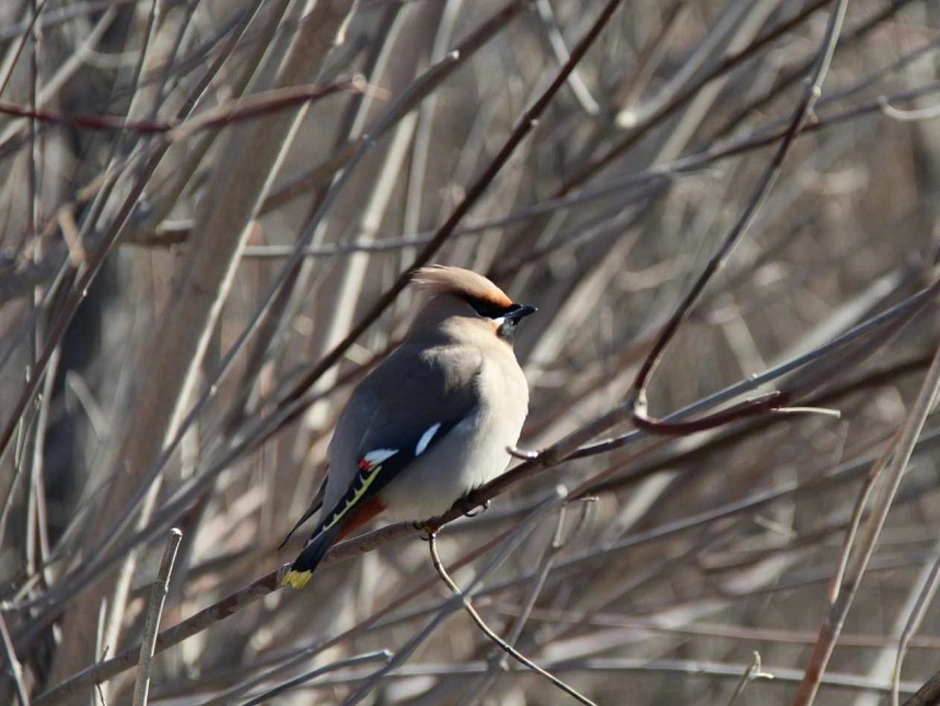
x=472, y=454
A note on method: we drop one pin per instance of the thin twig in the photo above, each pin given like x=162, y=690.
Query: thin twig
x=834, y=621
x=249, y=108
x=304, y=654
x=557, y=42
x=545, y=567
x=858, y=514
x=13, y=664
x=753, y=672
x=502, y=644
x=794, y=75
x=618, y=667
x=802, y=113
x=914, y=620
x=161, y=587
x=553, y=501
x=377, y=656
x=881, y=325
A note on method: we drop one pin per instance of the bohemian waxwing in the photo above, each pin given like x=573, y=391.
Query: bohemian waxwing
x=432, y=422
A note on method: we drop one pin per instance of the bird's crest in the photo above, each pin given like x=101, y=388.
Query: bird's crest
x=440, y=279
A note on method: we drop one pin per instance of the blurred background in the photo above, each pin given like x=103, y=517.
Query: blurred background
x=202, y=204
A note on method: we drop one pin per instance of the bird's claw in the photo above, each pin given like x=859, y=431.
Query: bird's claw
x=469, y=511
x=426, y=531
x=522, y=454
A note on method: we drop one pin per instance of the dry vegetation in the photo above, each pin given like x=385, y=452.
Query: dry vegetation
x=208, y=213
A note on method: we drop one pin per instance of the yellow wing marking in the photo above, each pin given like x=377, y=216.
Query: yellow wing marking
x=366, y=477
x=368, y=473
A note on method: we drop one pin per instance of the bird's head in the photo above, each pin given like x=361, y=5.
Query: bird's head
x=460, y=301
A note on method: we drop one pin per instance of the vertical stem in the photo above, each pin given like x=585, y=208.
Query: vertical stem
x=154, y=611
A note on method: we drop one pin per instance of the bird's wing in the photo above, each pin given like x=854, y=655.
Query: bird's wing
x=395, y=410
x=398, y=420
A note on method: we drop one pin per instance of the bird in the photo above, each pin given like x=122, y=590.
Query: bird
x=431, y=422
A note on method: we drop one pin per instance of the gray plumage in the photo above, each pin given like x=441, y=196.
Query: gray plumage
x=434, y=419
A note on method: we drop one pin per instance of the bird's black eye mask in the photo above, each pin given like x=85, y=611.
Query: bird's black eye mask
x=489, y=309
x=510, y=315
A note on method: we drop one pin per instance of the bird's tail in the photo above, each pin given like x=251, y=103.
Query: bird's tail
x=314, y=551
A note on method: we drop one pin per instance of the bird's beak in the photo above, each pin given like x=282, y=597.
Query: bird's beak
x=520, y=311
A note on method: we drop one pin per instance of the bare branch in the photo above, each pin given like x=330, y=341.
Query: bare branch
x=161, y=587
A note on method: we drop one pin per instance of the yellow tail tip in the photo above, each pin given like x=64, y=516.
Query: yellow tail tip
x=296, y=579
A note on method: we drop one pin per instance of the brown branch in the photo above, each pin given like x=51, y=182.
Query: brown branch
x=248, y=108
x=928, y=694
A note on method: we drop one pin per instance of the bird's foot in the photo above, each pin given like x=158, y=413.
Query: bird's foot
x=469, y=510
x=426, y=530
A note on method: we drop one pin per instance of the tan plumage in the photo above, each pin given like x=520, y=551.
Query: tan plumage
x=440, y=279
x=433, y=420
